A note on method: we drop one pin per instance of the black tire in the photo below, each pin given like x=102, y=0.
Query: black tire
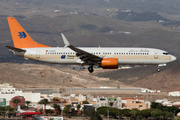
x=90, y=69
x=158, y=70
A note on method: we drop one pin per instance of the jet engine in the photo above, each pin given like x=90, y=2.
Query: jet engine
x=109, y=63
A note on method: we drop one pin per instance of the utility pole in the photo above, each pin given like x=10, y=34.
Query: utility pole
x=6, y=113
x=108, y=112
x=61, y=96
x=108, y=109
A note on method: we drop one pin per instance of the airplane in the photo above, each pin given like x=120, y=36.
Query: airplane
x=105, y=57
x=19, y=110
x=26, y=113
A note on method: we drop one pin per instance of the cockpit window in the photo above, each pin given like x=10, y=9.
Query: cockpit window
x=165, y=53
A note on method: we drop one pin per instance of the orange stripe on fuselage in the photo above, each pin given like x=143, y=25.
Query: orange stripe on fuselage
x=20, y=37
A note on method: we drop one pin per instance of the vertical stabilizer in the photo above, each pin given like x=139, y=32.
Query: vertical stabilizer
x=19, y=109
x=20, y=37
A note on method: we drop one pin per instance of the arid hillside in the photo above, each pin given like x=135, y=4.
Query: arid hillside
x=147, y=77
x=44, y=76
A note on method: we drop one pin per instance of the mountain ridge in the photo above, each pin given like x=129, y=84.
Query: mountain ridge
x=148, y=77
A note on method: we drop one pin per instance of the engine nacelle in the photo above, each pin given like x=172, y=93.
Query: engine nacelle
x=109, y=63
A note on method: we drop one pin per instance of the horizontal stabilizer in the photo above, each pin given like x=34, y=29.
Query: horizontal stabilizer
x=15, y=49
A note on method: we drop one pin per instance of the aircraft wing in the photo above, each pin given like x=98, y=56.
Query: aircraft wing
x=15, y=49
x=83, y=55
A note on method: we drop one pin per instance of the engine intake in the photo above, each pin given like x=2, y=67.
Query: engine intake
x=109, y=63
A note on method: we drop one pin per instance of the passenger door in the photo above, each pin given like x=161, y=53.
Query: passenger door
x=37, y=54
x=156, y=55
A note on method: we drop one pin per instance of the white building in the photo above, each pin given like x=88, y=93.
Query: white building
x=144, y=90
x=30, y=96
x=81, y=98
x=164, y=101
x=175, y=93
x=8, y=92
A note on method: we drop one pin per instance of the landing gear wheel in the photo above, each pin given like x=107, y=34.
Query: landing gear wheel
x=90, y=68
x=158, y=69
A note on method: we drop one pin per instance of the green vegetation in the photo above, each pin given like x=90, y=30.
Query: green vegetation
x=78, y=106
x=27, y=103
x=57, y=108
x=16, y=101
x=157, y=111
x=94, y=115
x=85, y=102
x=44, y=102
x=10, y=110
x=66, y=110
x=111, y=104
x=54, y=99
x=49, y=111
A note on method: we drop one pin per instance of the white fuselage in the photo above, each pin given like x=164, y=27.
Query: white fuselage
x=64, y=55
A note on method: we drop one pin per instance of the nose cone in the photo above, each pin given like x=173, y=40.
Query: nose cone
x=173, y=58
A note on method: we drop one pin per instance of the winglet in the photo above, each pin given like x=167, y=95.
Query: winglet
x=66, y=43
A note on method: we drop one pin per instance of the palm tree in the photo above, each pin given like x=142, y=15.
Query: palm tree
x=54, y=99
x=111, y=104
x=85, y=102
x=27, y=103
x=57, y=108
x=78, y=106
x=45, y=102
x=66, y=109
x=16, y=101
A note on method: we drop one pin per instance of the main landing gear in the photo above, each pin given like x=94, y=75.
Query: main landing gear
x=90, y=68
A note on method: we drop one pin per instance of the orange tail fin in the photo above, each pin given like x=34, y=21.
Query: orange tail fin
x=20, y=37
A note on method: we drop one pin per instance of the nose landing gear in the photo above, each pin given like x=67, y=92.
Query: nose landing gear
x=158, y=70
x=160, y=65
